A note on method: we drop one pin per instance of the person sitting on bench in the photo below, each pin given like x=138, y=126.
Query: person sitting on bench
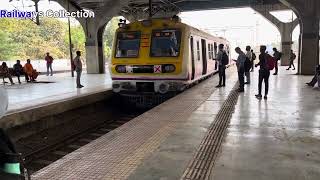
x=18, y=71
x=315, y=77
x=4, y=71
x=30, y=72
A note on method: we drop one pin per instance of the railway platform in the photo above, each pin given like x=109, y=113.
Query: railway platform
x=209, y=133
x=51, y=95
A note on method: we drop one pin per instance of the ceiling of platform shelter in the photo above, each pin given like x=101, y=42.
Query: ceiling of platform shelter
x=164, y=6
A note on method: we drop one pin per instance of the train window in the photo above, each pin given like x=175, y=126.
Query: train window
x=165, y=43
x=198, y=51
x=209, y=51
x=128, y=44
x=215, y=50
x=212, y=55
x=192, y=48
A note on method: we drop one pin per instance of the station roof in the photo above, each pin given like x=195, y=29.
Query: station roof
x=170, y=5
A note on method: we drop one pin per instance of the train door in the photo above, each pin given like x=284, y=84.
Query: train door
x=193, y=68
x=215, y=55
x=204, y=56
x=228, y=53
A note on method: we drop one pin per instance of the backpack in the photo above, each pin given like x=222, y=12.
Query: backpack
x=294, y=56
x=225, y=59
x=254, y=57
x=247, y=65
x=73, y=66
x=270, y=64
x=280, y=55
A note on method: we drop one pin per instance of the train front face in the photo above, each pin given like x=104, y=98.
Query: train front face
x=148, y=58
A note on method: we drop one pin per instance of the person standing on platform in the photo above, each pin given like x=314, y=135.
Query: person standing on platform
x=222, y=59
x=292, y=58
x=241, y=69
x=248, y=64
x=49, y=61
x=277, y=56
x=264, y=72
x=254, y=57
x=78, y=68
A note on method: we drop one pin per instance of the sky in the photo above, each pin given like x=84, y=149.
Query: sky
x=241, y=26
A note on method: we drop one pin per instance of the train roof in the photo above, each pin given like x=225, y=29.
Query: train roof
x=170, y=21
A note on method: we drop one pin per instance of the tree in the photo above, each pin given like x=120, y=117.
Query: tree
x=7, y=46
x=109, y=34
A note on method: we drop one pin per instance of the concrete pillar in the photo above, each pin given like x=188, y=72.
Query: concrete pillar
x=94, y=28
x=309, y=44
x=307, y=11
x=285, y=29
x=95, y=59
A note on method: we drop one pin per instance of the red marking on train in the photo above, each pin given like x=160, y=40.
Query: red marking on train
x=157, y=68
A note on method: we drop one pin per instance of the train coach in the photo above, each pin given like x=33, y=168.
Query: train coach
x=160, y=56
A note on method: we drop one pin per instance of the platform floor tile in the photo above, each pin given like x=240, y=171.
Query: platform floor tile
x=173, y=130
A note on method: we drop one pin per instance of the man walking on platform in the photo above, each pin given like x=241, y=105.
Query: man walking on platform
x=78, y=68
x=222, y=59
x=49, y=61
x=277, y=56
x=264, y=72
x=240, y=66
x=292, y=58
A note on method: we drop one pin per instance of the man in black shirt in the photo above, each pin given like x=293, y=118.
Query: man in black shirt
x=264, y=72
x=277, y=56
x=18, y=71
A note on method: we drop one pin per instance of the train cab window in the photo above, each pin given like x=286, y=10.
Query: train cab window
x=165, y=43
x=198, y=51
x=128, y=44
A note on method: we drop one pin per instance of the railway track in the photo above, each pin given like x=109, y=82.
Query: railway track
x=46, y=147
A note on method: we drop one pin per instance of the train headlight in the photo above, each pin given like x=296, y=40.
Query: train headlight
x=163, y=88
x=168, y=68
x=121, y=69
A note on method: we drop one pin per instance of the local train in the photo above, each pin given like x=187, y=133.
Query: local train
x=161, y=56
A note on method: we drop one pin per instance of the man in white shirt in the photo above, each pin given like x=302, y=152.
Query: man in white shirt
x=240, y=66
x=78, y=68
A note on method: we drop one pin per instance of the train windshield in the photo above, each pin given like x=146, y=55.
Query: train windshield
x=128, y=44
x=165, y=43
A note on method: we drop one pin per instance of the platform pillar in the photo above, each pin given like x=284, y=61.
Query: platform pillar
x=308, y=13
x=94, y=29
x=309, y=45
x=285, y=29
x=95, y=59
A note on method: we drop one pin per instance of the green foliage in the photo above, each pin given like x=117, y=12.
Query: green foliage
x=109, y=34
x=22, y=39
x=7, y=46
